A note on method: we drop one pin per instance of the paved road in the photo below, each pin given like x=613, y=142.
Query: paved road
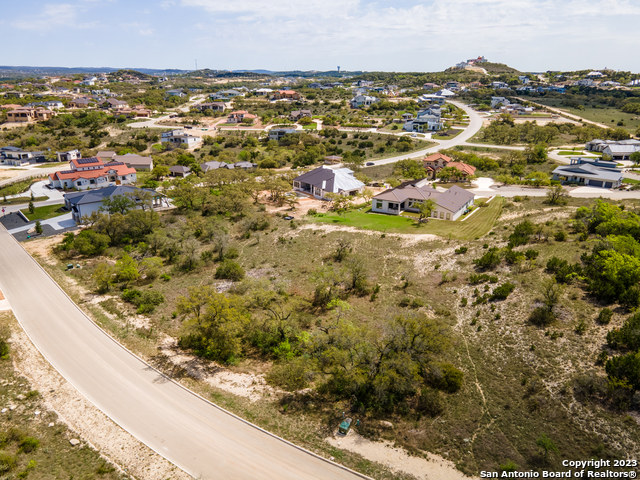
x=475, y=124
x=199, y=437
x=153, y=122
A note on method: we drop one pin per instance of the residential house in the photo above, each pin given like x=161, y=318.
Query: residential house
x=499, y=101
x=178, y=137
x=448, y=205
x=430, y=86
x=425, y=121
x=360, y=101
x=80, y=102
x=588, y=174
x=214, y=106
x=437, y=161
x=324, y=180
x=92, y=173
x=296, y=115
x=179, y=171
x=286, y=95
x=29, y=114
x=83, y=204
x=617, y=149
x=114, y=104
x=138, y=162
x=245, y=165
x=106, y=155
x=332, y=159
x=263, y=91
x=16, y=157
x=69, y=155
x=225, y=95
x=620, y=152
x=240, y=116
x=499, y=85
x=524, y=79
x=585, y=82
x=176, y=93
x=278, y=133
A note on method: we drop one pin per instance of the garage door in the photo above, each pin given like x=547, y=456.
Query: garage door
x=608, y=185
x=595, y=183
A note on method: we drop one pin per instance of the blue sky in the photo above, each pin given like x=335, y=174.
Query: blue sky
x=403, y=35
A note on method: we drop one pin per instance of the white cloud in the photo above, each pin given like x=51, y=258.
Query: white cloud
x=52, y=16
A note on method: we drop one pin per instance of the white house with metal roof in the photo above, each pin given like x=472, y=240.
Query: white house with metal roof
x=324, y=180
x=589, y=173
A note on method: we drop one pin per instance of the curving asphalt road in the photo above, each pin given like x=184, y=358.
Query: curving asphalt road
x=475, y=124
x=199, y=437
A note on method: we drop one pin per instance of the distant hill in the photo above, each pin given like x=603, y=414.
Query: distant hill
x=498, y=68
x=26, y=71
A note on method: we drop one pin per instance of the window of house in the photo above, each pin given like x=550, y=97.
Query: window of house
x=441, y=215
x=448, y=216
x=379, y=205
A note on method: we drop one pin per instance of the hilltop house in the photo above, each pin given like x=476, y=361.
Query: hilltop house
x=83, y=204
x=92, y=173
x=278, y=133
x=214, y=106
x=225, y=95
x=324, y=180
x=449, y=205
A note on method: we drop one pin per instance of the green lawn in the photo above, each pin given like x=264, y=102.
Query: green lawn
x=311, y=126
x=43, y=213
x=20, y=200
x=51, y=164
x=477, y=226
x=571, y=152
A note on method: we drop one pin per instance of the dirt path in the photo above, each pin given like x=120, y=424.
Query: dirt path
x=397, y=459
x=408, y=239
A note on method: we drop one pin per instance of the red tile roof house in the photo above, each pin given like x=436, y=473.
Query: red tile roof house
x=239, y=116
x=449, y=205
x=288, y=94
x=436, y=161
x=89, y=173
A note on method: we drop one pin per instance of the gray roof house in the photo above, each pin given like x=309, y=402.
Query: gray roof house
x=83, y=204
x=179, y=171
x=136, y=161
x=449, y=205
x=588, y=174
x=620, y=152
x=323, y=180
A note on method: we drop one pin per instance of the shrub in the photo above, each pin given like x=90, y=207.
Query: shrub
x=502, y=292
x=29, y=444
x=560, y=236
x=430, y=402
x=488, y=261
x=604, y=317
x=4, y=349
x=461, y=250
x=7, y=462
x=146, y=301
x=230, y=270
x=445, y=377
x=312, y=212
x=291, y=375
x=542, y=317
x=477, y=278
